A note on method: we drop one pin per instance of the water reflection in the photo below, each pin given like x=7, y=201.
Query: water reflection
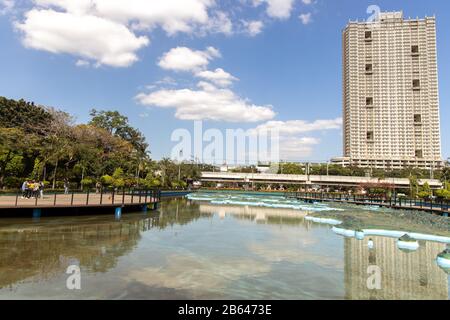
x=197, y=250
x=258, y=214
x=43, y=250
x=404, y=275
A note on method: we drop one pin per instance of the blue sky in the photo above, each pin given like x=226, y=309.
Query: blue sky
x=234, y=64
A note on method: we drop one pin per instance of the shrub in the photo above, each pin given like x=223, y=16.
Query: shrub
x=13, y=182
x=119, y=183
x=73, y=185
x=443, y=194
x=118, y=173
x=59, y=184
x=130, y=182
x=154, y=183
x=87, y=183
x=183, y=184
x=107, y=180
x=423, y=195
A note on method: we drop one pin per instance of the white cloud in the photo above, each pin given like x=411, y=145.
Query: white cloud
x=127, y=21
x=253, y=28
x=113, y=25
x=280, y=9
x=256, y=3
x=218, y=77
x=185, y=59
x=306, y=18
x=78, y=6
x=220, y=22
x=6, y=6
x=171, y=15
x=294, y=145
x=296, y=148
x=166, y=81
x=82, y=63
x=207, y=103
x=196, y=61
x=85, y=36
x=293, y=127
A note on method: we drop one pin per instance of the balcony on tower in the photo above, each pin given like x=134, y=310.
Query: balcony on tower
x=368, y=36
x=370, y=136
x=415, y=50
x=417, y=119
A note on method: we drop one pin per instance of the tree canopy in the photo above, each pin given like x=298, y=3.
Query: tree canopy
x=42, y=143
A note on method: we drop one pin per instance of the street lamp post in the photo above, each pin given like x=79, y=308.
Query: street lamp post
x=179, y=164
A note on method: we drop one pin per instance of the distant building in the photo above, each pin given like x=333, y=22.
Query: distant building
x=390, y=93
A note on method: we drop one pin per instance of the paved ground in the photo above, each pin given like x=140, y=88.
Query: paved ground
x=65, y=200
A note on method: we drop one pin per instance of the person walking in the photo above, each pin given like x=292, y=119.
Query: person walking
x=35, y=189
x=29, y=189
x=24, y=189
x=41, y=189
x=66, y=186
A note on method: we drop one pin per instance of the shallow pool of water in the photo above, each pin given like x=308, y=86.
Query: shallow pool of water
x=197, y=249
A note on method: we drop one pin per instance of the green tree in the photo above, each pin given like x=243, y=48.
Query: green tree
x=291, y=168
x=14, y=144
x=117, y=125
x=425, y=191
x=118, y=178
x=24, y=115
x=413, y=186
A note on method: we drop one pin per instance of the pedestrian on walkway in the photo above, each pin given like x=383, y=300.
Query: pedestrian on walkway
x=24, y=189
x=66, y=186
x=41, y=189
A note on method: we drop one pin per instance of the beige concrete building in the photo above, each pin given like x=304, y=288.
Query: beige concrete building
x=390, y=93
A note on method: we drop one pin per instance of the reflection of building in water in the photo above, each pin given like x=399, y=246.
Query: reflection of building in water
x=259, y=214
x=404, y=275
